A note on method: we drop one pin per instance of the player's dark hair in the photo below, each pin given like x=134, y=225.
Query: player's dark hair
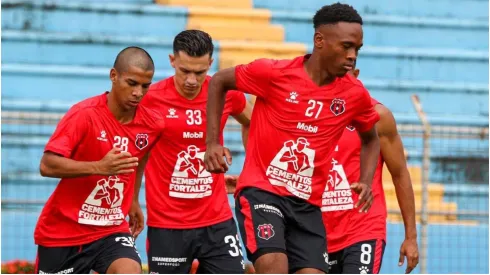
x=334, y=13
x=135, y=56
x=194, y=43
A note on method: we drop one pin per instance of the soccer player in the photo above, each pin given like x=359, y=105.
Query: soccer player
x=302, y=108
x=356, y=241
x=98, y=150
x=189, y=216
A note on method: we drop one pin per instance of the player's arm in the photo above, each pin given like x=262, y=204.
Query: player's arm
x=393, y=154
x=250, y=78
x=115, y=162
x=244, y=119
x=369, y=160
x=136, y=217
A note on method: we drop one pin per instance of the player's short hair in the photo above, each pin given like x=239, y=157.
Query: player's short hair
x=134, y=56
x=194, y=43
x=334, y=13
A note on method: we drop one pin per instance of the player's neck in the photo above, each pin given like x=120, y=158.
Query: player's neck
x=119, y=113
x=313, y=66
x=184, y=95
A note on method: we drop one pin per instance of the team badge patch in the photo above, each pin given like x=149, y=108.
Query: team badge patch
x=338, y=106
x=265, y=231
x=141, y=141
x=350, y=128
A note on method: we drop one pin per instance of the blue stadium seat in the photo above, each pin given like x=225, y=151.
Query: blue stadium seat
x=395, y=31
x=471, y=9
x=128, y=19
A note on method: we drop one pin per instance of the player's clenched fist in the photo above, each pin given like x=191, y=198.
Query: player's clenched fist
x=116, y=162
x=213, y=159
x=365, y=195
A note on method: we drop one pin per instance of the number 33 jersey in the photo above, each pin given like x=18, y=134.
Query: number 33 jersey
x=180, y=193
x=84, y=209
x=296, y=125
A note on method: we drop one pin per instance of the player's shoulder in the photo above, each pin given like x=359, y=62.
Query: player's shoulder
x=89, y=104
x=350, y=82
x=151, y=117
x=279, y=64
x=160, y=86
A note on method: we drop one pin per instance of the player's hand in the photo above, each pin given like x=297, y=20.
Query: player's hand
x=230, y=182
x=136, y=219
x=213, y=159
x=410, y=250
x=365, y=196
x=116, y=162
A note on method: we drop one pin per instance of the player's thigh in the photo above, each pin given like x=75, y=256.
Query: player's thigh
x=364, y=257
x=170, y=250
x=305, y=237
x=111, y=251
x=62, y=260
x=335, y=262
x=261, y=222
x=220, y=249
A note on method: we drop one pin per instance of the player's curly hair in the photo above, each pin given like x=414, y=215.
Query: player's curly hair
x=334, y=13
x=195, y=43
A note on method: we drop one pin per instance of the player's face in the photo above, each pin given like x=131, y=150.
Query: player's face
x=190, y=72
x=130, y=86
x=192, y=154
x=338, y=45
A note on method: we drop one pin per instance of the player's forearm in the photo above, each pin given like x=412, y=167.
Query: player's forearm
x=369, y=157
x=54, y=166
x=139, y=177
x=214, y=109
x=406, y=201
x=245, y=130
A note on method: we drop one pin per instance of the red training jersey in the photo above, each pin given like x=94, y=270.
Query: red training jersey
x=344, y=224
x=296, y=125
x=180, y=193
x=84, y=209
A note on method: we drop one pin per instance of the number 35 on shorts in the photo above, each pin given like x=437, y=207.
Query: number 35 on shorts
x=234, y=243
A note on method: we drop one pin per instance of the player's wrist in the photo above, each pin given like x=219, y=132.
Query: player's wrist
x=94, y=168
x=411, y=236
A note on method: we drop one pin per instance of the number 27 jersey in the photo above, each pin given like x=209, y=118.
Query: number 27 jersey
x=296, y=125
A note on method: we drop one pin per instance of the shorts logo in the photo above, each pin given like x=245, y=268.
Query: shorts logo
x=265, y=231
x=363, y=270
x=338, y=106
x=141, y=141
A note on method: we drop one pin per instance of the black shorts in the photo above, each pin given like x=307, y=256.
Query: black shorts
x=217, y=247
x=81, y=259
x=270, y=223
x=363, y=257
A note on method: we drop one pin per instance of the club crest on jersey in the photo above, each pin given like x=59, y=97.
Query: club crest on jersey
x=141, y=141
x=338, y=106
x=265, y=231
x=350, y=128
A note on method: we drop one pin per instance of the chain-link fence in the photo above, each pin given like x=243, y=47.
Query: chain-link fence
x=453, y=237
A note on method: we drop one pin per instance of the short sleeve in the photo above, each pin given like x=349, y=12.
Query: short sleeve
x=366, y=116
x=69, y=132
x=254, y=77
x=238, y=102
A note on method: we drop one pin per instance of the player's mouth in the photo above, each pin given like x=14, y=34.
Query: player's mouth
x=133, y=103
x=348, y=67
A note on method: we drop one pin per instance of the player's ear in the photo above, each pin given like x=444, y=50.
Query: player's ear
x=171, y=58
x=113, y=75
x=211, y=61
x=318, y=39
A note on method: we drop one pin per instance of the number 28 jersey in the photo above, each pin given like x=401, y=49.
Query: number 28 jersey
x=84, y=209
